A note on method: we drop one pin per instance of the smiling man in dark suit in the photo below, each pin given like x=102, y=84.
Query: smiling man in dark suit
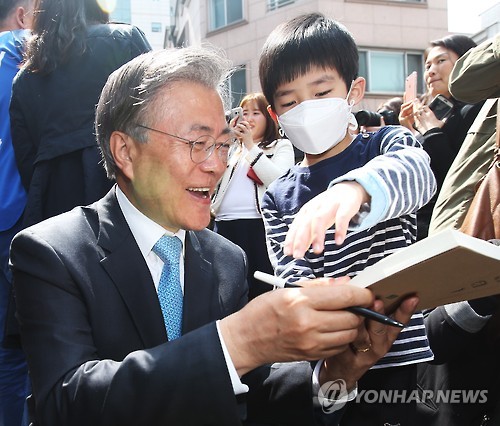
x=90, y=283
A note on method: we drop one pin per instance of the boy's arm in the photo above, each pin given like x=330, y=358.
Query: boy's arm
x=276, y=227
x=397, y=182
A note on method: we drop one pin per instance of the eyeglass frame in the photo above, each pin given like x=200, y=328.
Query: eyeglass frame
x=192, y=144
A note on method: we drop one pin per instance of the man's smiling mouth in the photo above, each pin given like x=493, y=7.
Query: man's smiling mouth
x=200, y=192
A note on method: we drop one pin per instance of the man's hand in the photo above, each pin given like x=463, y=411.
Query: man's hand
x=294, y=324
x=337, y=205
x=372, y=342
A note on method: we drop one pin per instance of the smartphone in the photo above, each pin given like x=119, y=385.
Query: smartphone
x=234, y=112
x=411, y=87
x=441, y=107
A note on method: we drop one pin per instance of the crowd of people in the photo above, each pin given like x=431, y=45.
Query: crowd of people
x=118, y=303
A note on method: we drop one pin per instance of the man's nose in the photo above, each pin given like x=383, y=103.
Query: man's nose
x=214, y=163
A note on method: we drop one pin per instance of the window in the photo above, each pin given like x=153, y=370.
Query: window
x=156, y=27
x=225, y=12
x=386, y=71
x=275, y=4
x=238, y=86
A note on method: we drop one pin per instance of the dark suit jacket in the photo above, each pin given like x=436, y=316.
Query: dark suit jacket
x=93, y=331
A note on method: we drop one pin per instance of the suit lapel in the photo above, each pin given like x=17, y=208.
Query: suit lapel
x=128, y=270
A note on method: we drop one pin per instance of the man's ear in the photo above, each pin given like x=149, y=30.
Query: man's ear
x=122, y=147
x=357, y=91
x=273, y=115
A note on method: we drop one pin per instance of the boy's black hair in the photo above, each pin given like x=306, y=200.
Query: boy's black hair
x=303, y=42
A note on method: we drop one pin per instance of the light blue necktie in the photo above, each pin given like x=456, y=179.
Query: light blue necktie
x=170, y=295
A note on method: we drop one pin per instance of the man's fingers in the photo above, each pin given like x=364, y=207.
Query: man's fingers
x=376, y=330
x=406, y=309
x=382, y=336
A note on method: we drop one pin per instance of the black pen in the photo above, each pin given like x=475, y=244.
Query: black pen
x=358, y=310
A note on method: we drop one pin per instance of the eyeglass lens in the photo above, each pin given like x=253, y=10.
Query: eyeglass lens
x=203, y=147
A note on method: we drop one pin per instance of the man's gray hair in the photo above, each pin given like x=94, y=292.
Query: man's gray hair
x=131, y=91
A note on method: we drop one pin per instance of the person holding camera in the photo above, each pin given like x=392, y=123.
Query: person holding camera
x=261, y=158
x=443, y=122
x=386, y=115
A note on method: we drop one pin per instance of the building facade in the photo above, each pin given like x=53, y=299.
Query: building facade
x=490, y=24
x=153, y=17
x=391, y=35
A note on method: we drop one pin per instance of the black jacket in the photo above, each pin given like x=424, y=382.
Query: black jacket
x=466, y=363
x=52, y=120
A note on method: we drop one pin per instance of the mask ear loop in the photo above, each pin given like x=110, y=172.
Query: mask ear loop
x=275, y=118
x=353, y=123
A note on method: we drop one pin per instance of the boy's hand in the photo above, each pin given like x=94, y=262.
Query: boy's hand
x=337, y=205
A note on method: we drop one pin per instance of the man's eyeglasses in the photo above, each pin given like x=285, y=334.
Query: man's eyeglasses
x=203, y=147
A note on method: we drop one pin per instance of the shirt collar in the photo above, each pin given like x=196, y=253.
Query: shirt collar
x=145, y=231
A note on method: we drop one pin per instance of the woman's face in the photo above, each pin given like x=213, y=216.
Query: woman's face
x=438, y=67
x=256, y=120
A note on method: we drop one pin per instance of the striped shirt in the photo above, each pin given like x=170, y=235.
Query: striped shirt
x=394, y=169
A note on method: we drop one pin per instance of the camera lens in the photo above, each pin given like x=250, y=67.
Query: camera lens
x=390, y=117
x=368, y=118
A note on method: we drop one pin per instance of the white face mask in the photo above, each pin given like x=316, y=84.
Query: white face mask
x=314, y=126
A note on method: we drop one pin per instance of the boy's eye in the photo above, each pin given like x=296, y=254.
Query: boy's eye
x=288, y=104
x=326, y=92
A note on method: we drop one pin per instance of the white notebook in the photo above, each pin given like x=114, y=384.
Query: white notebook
x=447, y=267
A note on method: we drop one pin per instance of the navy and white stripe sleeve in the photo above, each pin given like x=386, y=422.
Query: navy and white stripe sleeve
x=276, y=226
x=399, y=181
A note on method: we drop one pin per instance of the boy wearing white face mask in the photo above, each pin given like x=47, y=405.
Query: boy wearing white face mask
x=359, y=193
